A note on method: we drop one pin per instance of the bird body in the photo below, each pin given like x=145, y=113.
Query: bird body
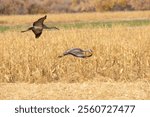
x=77, y=52
x=38, y=27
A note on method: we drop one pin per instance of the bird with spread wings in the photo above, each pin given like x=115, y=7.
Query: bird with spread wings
x=77, y=52
x=38, y=27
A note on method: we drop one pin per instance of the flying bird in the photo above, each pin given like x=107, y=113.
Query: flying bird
x=77, y=52
x=38, y=27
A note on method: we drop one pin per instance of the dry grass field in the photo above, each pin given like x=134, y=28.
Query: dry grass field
x=119, y=68
x=74, y=17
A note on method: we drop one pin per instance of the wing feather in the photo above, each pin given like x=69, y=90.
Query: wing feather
x=40, y=21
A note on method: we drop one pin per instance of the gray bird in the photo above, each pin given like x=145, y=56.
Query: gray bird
x=38, y=27
x=77, y=52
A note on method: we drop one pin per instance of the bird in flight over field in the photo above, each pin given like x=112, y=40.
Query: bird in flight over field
x=38, y=27
x=77, y=52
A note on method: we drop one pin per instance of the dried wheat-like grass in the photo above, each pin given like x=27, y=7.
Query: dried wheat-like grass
x=120, y=54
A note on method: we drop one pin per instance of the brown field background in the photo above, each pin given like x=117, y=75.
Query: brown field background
x=74, y=17
x=119, y=68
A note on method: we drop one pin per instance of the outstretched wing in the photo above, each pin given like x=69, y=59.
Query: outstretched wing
x=45, y=27
x=54, y=28
x=78, y=54
x=27, y=29
x=40, y=21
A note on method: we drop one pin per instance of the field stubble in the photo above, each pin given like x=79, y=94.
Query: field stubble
x=120, y=54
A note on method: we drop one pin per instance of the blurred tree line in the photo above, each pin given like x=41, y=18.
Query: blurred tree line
x=57, y=6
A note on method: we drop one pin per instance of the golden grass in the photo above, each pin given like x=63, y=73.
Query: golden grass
x=118, y=69
x=55, y=18
x=91, y=90
x=120, y=53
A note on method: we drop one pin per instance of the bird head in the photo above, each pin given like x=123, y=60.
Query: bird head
x=91, y=51
x=88, y=53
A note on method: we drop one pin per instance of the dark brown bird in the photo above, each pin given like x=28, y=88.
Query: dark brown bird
x=77, y=52
x=38, y=27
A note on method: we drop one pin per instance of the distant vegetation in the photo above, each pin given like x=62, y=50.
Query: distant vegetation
x=57, y=6
x=93, y=24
